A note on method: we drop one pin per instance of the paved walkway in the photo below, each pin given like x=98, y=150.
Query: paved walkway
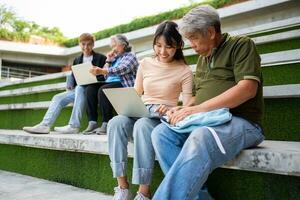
x=19, y=187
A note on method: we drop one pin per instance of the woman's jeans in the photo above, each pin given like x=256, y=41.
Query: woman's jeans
x=61, y=100
x=121, y=130
x=188, y=159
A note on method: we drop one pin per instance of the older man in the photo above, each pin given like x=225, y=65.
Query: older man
x=228, y=76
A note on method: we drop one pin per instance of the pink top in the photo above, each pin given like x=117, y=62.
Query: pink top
x=162, y=83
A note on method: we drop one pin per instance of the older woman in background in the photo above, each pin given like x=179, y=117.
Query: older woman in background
x=120, y=71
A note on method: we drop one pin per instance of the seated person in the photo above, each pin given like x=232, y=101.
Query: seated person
x=74, y=94
x=160, y=79
x=120, y=71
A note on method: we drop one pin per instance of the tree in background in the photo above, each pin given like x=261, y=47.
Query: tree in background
x=14, y=29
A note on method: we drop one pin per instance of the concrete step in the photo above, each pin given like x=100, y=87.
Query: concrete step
x=20, y=187
x=276, y=157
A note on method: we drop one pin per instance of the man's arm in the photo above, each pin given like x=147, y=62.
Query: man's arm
x=231, y=98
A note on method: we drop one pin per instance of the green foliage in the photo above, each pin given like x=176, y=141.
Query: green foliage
x=281, y=74
x=279, y=46
x=142, y=22
x=228, y=184
x=14, y=29
x=36, y=97
x=281, y=120
x=7, y=16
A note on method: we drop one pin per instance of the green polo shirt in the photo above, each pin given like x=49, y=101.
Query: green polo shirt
x=235, y=59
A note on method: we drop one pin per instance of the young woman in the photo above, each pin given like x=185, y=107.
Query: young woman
x=160, y=80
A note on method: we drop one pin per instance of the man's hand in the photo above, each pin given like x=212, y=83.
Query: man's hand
x=172, y=110
x=179, y=114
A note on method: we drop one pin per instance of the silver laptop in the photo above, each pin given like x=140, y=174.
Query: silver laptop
x=82, y=74
x=126, y=102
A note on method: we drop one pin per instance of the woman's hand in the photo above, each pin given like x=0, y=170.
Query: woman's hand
x=162, y=109
x=110, y=56
x=98, y=71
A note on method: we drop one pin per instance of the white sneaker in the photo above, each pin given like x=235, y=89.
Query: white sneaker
x=122, y=194
x=67, y=129
x=140, y=196
x=37, y=129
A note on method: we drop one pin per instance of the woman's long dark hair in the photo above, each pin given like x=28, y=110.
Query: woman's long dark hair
x=169, y=30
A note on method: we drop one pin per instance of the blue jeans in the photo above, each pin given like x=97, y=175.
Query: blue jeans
x=188, y=159
x=121, y=130
x=61, y=100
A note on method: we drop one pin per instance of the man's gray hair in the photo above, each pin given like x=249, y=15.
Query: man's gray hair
x=199, y=19
x=121, y=39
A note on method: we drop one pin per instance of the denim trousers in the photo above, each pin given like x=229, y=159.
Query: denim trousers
x=61, y=100
x=121, y=130
x=187, y=159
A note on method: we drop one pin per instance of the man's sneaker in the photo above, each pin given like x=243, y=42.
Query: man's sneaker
x=122, y=194
x=37, y=129
x=91, y=128
x=140, y=196
x=66, y=129
x=101, y=130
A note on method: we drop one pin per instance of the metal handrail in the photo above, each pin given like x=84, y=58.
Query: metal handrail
x=13, y=72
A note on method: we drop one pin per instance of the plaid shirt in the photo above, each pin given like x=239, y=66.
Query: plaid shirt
x=126, y=69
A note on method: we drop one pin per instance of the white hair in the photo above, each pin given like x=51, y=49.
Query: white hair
x=199, y=19
x=121, y=39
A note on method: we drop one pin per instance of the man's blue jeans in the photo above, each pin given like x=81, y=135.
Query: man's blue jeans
x=61, y=100
x=122, y=129
x=188, y=159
